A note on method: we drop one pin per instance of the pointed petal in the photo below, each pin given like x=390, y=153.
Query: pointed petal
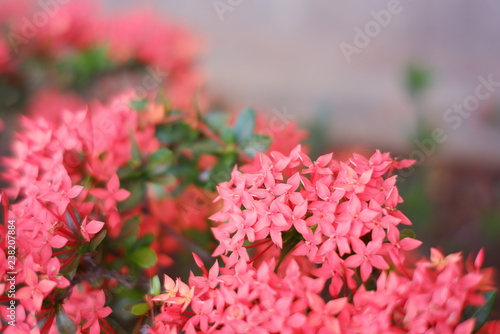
x=75, y=191
x=122, y=195
x=378, y=262
x=113, y=184
x=354, y=261
x=410, y=243
x=94, y=226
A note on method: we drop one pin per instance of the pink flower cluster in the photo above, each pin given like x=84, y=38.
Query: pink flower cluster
x=330, y=205
x=86, y=146
x=55, y=219
x=53, y=225
x=246, y=299
x=56, y=31
x=65, y=177
x=328, y=257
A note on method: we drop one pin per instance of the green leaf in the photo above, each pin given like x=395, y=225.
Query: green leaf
x=179, y=132
x=130, y=229
x=217, y=120
x=64, y=324
x=155, y=288
x=138, y=105
x=69, y=270
x=221, y=172
x=97, y=240
x=79, y=69
x=159, y=161
x=137, y=190
x=256, y=143
x=481, y=313
x=417, y=79
x=290, y=239
x=146, y=240
x=407, y=233
x=161, y=157
x=245, y=124
x=136, y=151
x=139, y=309
x=144, y=257
x=205, y=146
x=227, y=135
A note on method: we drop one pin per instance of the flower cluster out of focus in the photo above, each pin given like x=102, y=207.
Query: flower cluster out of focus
x=55, y=54
x=111, y=185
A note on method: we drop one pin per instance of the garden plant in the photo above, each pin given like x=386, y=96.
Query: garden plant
x=113, y=189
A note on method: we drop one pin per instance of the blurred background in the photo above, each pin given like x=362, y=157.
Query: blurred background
x=418, y=79
x=401, y=91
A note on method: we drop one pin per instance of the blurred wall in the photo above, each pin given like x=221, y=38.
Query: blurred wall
x=286, y=53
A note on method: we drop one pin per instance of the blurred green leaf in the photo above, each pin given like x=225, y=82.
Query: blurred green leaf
x=221, y=172
x=136, y=151
x=160, y=160
x=178, y=132
x=130, y=229
x=161, y=156
x=97, y=240
x=256, y=143
x=290, y=239
x=144, y=257
x=77, y=70
x=227, y=135
x=139, y=105
x=132, y=294
x=417, y=79
x=69, y=270
x=245, y=125
x=481, y=313
x=139, y=309
x=205, y=146
x=217, y=120
x=155, y=288
x=64, y=324
x=137, y=190
x=407, y=233
x=146, y=240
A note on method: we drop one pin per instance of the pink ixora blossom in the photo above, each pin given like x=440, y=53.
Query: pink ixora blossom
x=324, y=207
x=111, y=194
x=254, y=299
x=342, y=217
x=87, y=307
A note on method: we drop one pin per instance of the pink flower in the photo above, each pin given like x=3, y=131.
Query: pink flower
x=52, y=273
x=58, y=190
x=309, y=246
x=111, y=194
x=396, y=245
x=90, y=228
x=32, y=295
x=349, y=180
x=178, y=293
x=366, y=257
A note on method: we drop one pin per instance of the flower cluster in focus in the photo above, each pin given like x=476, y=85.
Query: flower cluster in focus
x=314, y=247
